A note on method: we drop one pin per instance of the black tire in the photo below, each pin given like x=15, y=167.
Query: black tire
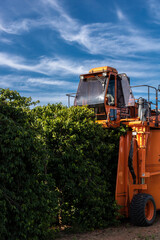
x=142, y=210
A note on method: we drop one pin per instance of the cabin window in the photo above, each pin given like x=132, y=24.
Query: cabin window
x=120, y=97
x=111, y=91
x=91, y=91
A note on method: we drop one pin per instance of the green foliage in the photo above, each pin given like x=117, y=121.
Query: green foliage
x=57, y=167
x=27, y=198
x=83, y=162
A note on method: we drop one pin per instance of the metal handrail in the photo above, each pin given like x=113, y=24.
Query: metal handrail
x=69, y=95
x=156, y=98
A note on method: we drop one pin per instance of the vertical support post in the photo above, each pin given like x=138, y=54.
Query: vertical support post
x=68, y=95
x=142, y=138
x=149, y=107
x=69, y=101
x=116, y=90
x=156, y=106
x=143, y=163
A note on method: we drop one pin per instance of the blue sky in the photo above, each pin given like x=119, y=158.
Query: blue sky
x=46, y=44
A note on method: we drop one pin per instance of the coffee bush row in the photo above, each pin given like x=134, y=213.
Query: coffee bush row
x=57, y=168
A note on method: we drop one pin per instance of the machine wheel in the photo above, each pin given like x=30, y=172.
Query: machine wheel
x=142, y=210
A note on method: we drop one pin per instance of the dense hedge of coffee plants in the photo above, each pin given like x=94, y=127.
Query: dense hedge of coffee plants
x=57, y=167
x=27, y=197
x=83, y=162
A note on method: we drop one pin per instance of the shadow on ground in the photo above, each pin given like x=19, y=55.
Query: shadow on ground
x=125, y=231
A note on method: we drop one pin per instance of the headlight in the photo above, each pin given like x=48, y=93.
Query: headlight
x=82, y=77
x=104, y=74
x=134, y=133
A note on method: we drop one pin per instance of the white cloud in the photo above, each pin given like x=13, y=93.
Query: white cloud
x=57, y=68
x=109, y=39
x=37, y=87
x=14, y=27
x=63, y=66
x=22, y=25
x=154, y=8
x=47, y=66
x=46, y=98
x=16, y=62
x=6, y=41
x=102, y=38
x=120, y=15
x=113, y=40
x=18, y=82
x=57, y=83
x=47, y=81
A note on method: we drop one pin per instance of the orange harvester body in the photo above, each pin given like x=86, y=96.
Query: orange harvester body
x=138, y=170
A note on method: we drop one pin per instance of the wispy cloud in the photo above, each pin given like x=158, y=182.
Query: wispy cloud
x=106, y=41
x=22, y=25
x=56, y=6
x=47, y=66
x=23, y=82
x=96, y=38
x=16, y=62
x=120, y=15
x=57, y=83
x=154, y=8
x=6, y=41
x=64, y=66
x=140, y=73
x=51, y=98
x=103, y=38
x=112, y=40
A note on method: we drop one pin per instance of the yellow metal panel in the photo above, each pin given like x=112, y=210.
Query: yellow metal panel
x=103, y=69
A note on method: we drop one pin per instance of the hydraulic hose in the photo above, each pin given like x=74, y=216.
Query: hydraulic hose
x=130, y=162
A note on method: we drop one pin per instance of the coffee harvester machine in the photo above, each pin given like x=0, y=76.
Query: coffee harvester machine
x=138, y=172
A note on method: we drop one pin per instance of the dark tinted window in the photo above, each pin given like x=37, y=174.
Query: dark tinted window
x=111, y=91
x=91, y=91
x=120, y=97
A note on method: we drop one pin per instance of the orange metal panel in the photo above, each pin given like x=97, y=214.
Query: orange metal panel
x=121, y=195
x=153, y=165
x=145, y=161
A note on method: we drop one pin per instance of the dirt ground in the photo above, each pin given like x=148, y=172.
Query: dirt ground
x=124, y=232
